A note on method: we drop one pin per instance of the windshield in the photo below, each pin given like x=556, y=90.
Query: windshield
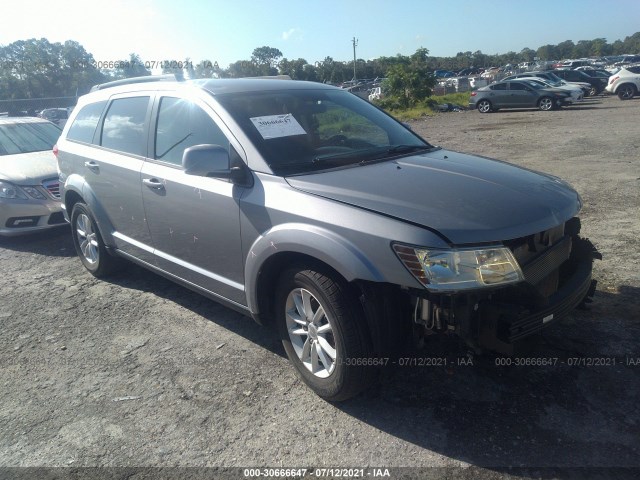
x=26, y=137
x=300, y=131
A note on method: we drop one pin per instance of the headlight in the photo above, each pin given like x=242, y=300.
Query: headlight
x=8, y=190
x=460, y=269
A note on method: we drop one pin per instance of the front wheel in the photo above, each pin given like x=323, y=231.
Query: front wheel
x=593, y=91
x=322, y=330
x=546, y=104
x=89, y=244
x=484, y=106
x=626, y=92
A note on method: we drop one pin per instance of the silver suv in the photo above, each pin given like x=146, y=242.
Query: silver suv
x=302, y=205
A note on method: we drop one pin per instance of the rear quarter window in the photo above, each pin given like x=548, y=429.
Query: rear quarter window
x=84, y=125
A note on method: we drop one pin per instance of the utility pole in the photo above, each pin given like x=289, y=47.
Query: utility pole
x=354, y=40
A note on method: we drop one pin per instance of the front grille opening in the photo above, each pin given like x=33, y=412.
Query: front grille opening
x=53, y=187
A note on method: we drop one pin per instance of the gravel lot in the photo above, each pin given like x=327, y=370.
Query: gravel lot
x=138, y=371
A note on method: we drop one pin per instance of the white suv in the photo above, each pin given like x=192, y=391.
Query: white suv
x=625, y=83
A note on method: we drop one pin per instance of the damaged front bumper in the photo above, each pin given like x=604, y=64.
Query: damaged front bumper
x=556, y=282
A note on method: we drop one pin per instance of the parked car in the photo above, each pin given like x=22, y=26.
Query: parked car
x=597, y=84
x=517, y=94
x=58, y=116
x=625, y=83
x=576, y=92
x=443, y=74
x=553, y=80
x=302, y=205
x=29, y=187
x=571, y=64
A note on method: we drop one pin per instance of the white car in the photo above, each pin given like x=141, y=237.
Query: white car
x=576, y=92
x=29, y=186
x=625, y=83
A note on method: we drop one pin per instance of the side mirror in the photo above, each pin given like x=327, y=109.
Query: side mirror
x=206, y=161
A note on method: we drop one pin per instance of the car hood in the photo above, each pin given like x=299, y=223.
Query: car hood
x=28, y=168
x=467, y=199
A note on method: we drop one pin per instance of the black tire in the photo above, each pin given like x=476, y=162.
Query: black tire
x=593, y=91
x=338, y=328
x=484, y=106
x=626, y=91
x=89, y=244
x=546, y=104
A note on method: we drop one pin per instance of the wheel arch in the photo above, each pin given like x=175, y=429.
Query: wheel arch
x=286, y=245
x=77, y=190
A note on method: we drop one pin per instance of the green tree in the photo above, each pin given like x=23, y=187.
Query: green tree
x=243, y=68
x=37, y=68
x=266, y=58
x=205, y=69
x=131, y=67
x=409, y=82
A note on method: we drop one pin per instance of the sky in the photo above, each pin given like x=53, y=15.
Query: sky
x=225, y=31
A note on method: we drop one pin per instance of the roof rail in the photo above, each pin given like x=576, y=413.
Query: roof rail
x=127, y=81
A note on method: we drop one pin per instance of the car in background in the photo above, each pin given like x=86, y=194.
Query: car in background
x=58, y=116
x=29, y=186
x=625, y=83
x=570, y=64
x=517, y=94
x=597, y=84
x=576, y=92
x=443, y=74
x=552, y=79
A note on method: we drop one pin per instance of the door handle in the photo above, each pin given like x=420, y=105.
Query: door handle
x=153, y=183
x=93, y=166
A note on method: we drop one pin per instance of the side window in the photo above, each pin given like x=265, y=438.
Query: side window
x=85, y=123
x=516, y=86
x=123, y=127
x=182, y=124
x=499, y=86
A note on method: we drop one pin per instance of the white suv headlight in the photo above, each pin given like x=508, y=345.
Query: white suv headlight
x=460, y=269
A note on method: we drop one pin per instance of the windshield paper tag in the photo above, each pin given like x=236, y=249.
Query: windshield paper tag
x=277, y=126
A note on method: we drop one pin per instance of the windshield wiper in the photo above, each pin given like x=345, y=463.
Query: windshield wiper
x=374, y=153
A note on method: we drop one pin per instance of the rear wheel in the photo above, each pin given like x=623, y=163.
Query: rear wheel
x=323, y=332
x=484, y=106
x=89, y=243
x=626, y=91
x=593, y=91
x=546, y=104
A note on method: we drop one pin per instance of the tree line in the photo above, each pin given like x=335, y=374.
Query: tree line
x=37, y=68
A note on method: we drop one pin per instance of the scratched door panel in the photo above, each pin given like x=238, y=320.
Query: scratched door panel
x=195, y=228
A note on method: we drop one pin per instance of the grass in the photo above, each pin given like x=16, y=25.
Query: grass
x=430, y=106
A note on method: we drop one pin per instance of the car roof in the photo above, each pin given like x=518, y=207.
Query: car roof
x=213, y=86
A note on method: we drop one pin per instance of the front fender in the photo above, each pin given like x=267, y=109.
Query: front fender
x=326, y=246
x=77, y=184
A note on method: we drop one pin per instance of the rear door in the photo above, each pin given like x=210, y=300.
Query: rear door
x=112, y=171
x=194, y=221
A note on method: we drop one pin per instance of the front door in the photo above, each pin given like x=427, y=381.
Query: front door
x=194, y=221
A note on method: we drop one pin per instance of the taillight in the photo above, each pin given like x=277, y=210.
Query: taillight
x=55, y=150
x=613, y=79
x=473, y=94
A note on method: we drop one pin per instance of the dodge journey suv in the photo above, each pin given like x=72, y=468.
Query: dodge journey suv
x=304, y=206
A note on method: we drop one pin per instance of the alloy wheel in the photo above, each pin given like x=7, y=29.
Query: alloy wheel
x=311, y=332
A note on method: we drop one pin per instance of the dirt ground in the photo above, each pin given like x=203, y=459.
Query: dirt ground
x=139, y=372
